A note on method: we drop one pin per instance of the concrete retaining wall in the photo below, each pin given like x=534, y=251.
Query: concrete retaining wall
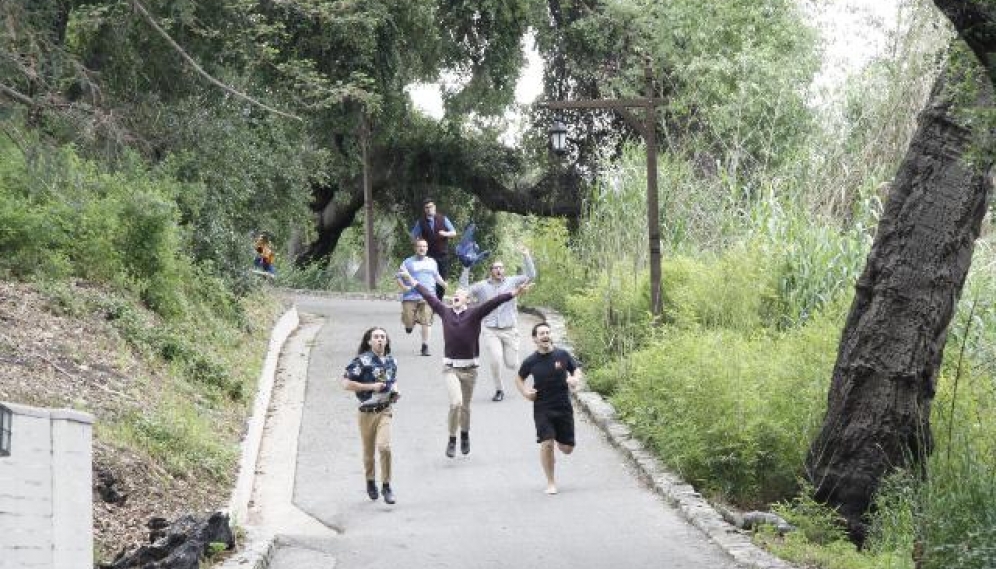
x=46, y=512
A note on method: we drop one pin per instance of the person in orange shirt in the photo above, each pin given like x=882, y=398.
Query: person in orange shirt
x=264, y=254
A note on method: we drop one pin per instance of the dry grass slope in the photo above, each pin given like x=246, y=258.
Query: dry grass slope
x=53, y=357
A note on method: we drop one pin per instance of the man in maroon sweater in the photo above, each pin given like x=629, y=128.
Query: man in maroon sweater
x=461, y=329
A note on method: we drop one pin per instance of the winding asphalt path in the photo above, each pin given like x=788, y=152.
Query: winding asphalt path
x=483, y=510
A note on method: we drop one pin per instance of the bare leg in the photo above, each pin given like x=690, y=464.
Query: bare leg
x=426, y=333
x=547, y=460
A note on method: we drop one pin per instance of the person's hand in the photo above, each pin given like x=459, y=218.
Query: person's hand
x=522, y=288
x=529, y=394
x=404, y=275
x=379, y=386
x=573, y=383
x=524, y=250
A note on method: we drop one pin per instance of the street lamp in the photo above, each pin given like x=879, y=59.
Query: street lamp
x=6, y=419
x=646, y=126
x=558, y=136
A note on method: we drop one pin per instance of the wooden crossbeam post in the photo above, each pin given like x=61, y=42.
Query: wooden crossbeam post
x=647, y=127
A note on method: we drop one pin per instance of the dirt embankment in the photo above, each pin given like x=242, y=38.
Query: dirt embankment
x=51, y=355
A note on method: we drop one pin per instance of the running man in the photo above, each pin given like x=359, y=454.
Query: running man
x=461, y=329
x=555, y=375
x=500, y=335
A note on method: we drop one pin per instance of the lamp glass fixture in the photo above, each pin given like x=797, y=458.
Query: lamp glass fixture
x=558, y=136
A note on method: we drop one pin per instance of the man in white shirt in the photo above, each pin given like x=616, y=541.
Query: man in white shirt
x=500, y=331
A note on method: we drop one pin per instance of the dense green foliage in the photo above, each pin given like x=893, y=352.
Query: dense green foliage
x=66, y=221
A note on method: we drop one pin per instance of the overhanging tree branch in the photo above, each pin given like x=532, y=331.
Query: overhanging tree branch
x=15, y=95
x=200, y=71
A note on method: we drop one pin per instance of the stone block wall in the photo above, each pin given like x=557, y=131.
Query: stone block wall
x=46, y=515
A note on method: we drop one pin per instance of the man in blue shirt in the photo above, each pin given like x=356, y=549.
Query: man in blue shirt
x=414, y=309
x=437, y=230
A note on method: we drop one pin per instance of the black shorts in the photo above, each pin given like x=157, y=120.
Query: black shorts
x=556, y=423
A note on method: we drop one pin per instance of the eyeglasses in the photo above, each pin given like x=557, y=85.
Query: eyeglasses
x=497, y=266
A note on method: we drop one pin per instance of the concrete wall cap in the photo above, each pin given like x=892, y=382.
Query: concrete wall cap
x=71, y=415
x=25, y=410
x=53, y=414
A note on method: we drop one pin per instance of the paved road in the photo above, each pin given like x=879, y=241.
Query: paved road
x=484, y=510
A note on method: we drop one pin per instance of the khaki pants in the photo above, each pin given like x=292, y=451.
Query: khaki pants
x=375, y=432
x=502, y=348
x=460, y=388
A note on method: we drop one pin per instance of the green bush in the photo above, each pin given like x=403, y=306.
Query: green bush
x=560, y=271
x=615, y=313
x=32, y=243
x=732, y=290
x=181, y=437
x=732, y=413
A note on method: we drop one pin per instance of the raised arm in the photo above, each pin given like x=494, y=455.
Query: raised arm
x=528, y=267
x=485, y=308
x=430, y=297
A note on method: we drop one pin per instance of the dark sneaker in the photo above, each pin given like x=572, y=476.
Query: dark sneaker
x=372, y=489
x=425, y=350
x=451, y=448
x=465, y=444
x=388, y=493
x=499, y=395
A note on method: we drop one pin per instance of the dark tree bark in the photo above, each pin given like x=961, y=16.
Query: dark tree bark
x=878, y=415
x=975, y=23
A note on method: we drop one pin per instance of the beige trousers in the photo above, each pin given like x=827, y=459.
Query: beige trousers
x=460, y=388
x=501, y=345
x=375, y=432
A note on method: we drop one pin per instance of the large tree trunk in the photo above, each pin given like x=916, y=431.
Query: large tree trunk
x=878, y=415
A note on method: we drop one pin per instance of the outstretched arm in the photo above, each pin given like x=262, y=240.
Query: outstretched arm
x=429, y=297
x=486, y=307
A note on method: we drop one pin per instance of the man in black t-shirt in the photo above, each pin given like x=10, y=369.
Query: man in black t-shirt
x=555, y=375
